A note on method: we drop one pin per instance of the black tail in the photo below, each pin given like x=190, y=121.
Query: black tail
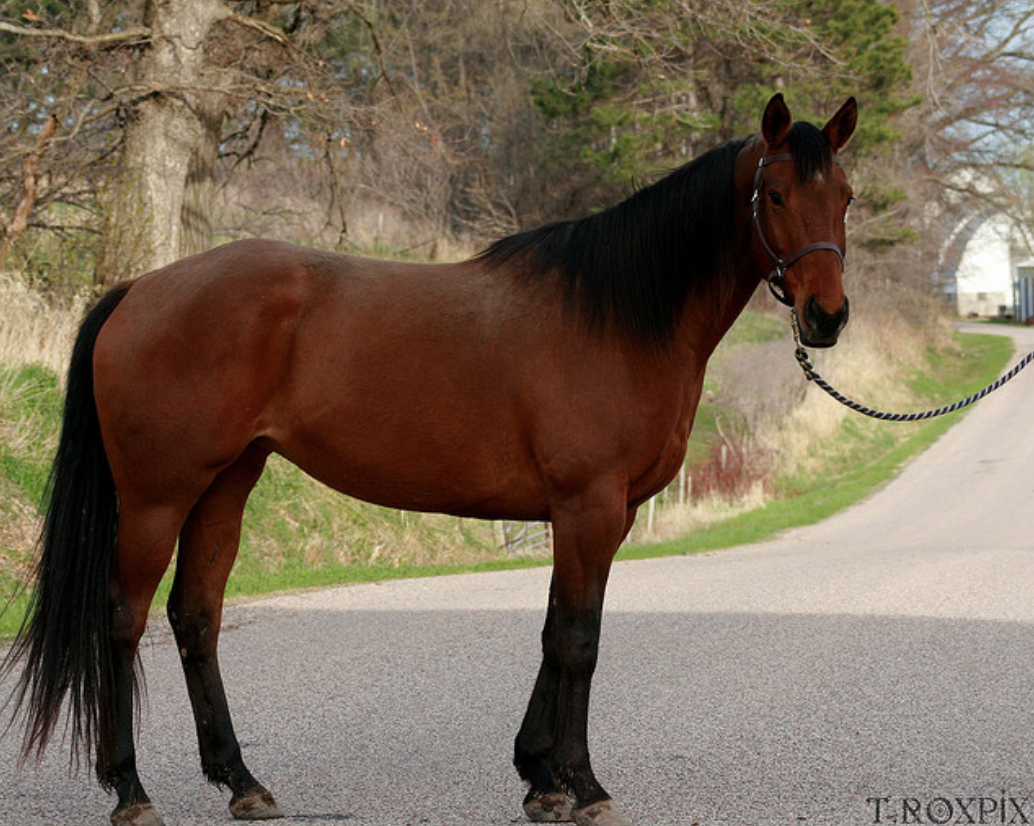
x=64, y=639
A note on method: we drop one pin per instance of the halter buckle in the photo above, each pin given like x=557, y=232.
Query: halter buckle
x=775, y=281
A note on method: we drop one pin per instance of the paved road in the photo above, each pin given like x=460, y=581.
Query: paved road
x=876, y=668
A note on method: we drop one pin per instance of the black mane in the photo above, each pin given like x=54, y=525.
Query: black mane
x=636, y=263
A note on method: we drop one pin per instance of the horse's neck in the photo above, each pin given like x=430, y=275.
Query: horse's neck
x=707, y=318
x=704, y=327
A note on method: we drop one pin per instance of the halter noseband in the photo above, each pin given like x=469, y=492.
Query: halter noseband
x=776, y=278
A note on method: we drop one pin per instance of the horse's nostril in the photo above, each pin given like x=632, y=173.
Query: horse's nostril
x=823, y=328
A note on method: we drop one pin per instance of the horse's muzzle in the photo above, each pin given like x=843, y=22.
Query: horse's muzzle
x=819, y=328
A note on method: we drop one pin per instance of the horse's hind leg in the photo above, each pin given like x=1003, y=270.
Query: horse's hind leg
x=208, y=548
x=146, y=540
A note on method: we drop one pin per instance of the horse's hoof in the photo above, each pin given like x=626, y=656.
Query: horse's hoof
x=554, y=807
x=139, y=814
x=603, y=813
x=257, y=804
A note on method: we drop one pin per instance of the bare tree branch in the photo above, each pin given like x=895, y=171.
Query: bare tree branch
x=136, y=34
x=378, y=51
x=272, y=32
x=30, y=189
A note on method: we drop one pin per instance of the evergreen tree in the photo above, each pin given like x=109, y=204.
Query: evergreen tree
x=650, y=93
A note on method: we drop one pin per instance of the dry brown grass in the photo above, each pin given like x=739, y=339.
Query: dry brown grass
x=674, y=520
x=868, y=364
x=19, y=529
x=294, y=520
x=33, y=329
x=789, y=427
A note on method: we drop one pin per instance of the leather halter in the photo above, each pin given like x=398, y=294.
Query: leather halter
x=777, y=277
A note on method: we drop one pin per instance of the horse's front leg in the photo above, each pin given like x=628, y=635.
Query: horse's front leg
x=552, y=747
x=533, y=751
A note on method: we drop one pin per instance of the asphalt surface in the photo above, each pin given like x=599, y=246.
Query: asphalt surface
x=876, y=668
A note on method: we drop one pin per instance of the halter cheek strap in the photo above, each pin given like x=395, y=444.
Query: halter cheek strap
x=777, y=277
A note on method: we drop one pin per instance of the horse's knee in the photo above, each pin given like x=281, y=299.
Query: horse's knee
x=578, y=642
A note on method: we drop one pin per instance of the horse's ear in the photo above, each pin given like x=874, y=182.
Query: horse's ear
x=776, y=122
x=841, y=125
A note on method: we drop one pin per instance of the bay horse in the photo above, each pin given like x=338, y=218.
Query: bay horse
x=554, y=376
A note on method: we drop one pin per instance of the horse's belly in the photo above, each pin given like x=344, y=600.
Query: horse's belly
x=470, y=470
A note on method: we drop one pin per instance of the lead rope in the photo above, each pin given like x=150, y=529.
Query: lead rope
x=812, y=375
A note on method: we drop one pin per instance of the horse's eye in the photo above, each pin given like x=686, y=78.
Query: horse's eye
x=776, y=198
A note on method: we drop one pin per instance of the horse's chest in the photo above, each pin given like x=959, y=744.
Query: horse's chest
x=668, y=437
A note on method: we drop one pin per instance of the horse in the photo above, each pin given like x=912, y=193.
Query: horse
x=554, y=376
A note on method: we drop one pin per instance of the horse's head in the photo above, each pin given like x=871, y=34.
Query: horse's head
x=799, y=205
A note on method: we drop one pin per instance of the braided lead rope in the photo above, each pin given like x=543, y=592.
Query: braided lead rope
x=812, y=375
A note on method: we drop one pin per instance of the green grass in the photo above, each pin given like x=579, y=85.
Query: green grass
x=754, y=328
x=29, y=398
x=15, y=604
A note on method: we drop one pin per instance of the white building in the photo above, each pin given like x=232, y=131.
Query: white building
x=991, y=272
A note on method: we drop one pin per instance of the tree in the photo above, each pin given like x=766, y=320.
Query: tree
x=975, y=70
x=166, y=77
x=49, y=146
x=172, y=124
x=659, y=82
x=655, y=82
x=465, y=117
x=452, y=135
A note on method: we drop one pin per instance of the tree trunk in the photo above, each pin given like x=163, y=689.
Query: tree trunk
x=200, y=185
x=146, y=203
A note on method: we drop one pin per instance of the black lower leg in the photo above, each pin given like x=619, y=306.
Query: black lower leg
x=221, y=758
x=116, y=753
x=588, y=527
x=209, y=541
x=578, y=635
x=534, y=744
